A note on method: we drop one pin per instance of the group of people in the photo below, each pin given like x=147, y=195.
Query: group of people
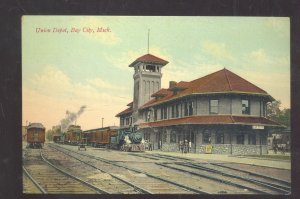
x=185, y=146
x=277, y=147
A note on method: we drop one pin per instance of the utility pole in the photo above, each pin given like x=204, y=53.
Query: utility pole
x=102, y=122
x=148, y=39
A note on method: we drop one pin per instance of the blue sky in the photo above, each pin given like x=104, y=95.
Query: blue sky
x=63, y=71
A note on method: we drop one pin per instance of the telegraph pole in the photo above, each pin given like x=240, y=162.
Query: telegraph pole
x=148, y=39
x=102, y=122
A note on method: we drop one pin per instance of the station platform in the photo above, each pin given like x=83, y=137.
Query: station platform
x=279, y=164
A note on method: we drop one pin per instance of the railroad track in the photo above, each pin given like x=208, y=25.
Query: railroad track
x=47, y=178
x=152, y=183
x=112, y=184
x=30, y=185
x=256, y=182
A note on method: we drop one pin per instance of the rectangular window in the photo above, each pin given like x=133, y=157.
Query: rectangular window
x=155, y=114
x=214, y=106
x=165, y=112
x=245, y=107
x=206, y=137
x=150, y=68
x=264, y=108
x=173, y=111
x=264, y=138
x=173, y=137
x=164, y=137
x=192, y=137
x=190, y=108
x=177, y=110
x=251, y=139
x=240, y=139
x=219, y=138
x=186, y=110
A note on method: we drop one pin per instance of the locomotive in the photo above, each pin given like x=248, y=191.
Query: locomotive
x=110, y=137
x=35, y=135
x=73, y=135
x=130, y=139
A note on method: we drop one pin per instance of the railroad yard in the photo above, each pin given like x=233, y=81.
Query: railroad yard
x=64, y=169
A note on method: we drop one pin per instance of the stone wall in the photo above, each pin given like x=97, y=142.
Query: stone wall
x=170, y=147
x=237, y=149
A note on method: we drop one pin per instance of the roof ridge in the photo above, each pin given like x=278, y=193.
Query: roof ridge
x=248, y=81
x=227, y=79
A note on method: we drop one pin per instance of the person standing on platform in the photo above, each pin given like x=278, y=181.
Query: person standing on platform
x=185, y=146
x=181, y=146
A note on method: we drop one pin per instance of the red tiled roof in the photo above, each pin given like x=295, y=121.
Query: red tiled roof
x=149, y=59
x=130, y=104
x=162, y=92
x=182, y=85
x=223, y=81
x=211, y=119
x=126, y=111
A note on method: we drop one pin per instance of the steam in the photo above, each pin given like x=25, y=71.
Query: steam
x=70, y=118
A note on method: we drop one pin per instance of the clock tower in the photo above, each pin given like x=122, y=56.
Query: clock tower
x=147, y=80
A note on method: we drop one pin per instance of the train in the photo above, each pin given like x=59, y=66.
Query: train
x=111, y=137
x=130, y=139
x=73, y=135
x=35, y=135
x=100, y=137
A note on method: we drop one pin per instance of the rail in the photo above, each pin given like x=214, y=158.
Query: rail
x=141, y=172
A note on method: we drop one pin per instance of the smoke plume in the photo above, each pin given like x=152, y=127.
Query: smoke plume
x=70, y=118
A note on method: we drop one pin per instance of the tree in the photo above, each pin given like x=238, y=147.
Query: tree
x=49, y=134
x=276, y=114
x=54, y=131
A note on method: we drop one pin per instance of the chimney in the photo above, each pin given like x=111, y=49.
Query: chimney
x=172, y=84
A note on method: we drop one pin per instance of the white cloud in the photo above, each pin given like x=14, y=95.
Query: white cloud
x=52, y=92
x=263, y=60
x=218, y=50
x=100, y=83
x=259, y=57
x=122, y=60
x=279, y=25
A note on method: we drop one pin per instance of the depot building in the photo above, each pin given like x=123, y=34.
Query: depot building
x=221, y=110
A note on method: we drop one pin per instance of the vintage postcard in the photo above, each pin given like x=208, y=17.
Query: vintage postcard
x=156, y=105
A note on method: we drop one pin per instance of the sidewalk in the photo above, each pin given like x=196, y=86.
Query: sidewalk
x=227, y=158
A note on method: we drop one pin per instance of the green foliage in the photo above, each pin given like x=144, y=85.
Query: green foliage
x=276, y=114
x=49, y=135
x=54, y=131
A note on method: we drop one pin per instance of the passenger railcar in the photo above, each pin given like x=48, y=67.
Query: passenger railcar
x=35, y=135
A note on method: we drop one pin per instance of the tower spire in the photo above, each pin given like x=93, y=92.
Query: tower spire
x=148, y=39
